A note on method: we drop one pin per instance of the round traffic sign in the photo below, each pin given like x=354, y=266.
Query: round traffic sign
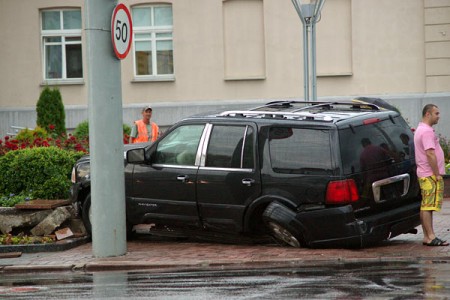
x=121, y=30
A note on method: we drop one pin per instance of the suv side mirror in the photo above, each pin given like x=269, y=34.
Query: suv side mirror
x=136, y=156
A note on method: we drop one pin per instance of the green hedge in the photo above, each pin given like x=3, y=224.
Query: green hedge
x=43, y=172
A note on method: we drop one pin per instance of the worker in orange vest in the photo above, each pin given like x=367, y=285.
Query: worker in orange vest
x=144, y=130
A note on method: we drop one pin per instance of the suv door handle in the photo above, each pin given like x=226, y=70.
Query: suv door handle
x=183, y=178
x=248, y=181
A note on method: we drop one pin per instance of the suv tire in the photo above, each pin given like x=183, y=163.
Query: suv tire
x=277, y=219
x=86, y=215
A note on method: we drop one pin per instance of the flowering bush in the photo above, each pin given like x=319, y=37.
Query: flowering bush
x=445, y=144
x=41, y=138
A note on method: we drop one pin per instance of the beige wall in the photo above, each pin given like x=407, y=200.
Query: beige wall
x=363, y=47
x=21, y=75
x=437, y=44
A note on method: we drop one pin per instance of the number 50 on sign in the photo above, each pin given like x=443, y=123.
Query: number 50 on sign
x=121, y=30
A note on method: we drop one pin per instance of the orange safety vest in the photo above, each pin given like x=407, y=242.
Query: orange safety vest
x=143, y=133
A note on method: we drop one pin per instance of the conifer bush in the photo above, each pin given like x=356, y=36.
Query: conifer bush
x=50, y=111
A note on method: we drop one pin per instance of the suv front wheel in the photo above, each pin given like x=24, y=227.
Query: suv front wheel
x=86, y=213
x=277, y=219
x=86, y=216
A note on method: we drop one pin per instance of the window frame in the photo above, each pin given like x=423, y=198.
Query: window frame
x=246, y=132
x=277, y=156
x=153, y=31
x=63, y=34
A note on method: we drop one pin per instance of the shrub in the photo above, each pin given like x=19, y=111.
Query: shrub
x=445, y=144
x=50, y=111
x=44, y=171
x=126, y=129
x=29, y=135
x=13, y=199
x=82, y=131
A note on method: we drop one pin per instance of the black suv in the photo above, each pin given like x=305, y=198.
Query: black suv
x=306, y=173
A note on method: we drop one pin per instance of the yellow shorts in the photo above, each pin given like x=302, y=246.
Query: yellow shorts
x=432, y=193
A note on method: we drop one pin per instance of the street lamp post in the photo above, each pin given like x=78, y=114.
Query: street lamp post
x=309, y=14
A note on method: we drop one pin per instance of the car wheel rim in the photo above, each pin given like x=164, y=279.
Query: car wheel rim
x=284, y=235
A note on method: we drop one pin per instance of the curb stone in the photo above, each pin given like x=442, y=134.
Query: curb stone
x=108, y=266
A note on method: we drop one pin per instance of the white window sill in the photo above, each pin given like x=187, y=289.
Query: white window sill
x=62, y=82
x=154, y=78
x=243, y=78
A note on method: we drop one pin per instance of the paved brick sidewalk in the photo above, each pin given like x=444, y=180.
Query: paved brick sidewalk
x=167, y=255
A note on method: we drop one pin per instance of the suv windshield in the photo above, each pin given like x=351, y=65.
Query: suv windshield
x=300, y=150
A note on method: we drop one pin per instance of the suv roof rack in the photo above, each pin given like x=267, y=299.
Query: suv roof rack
x=316, y=104
x=285, y=110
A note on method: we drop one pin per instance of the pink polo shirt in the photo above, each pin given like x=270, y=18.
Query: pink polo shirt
x=424, y=139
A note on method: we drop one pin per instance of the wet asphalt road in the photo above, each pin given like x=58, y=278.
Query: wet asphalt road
x=426, y=279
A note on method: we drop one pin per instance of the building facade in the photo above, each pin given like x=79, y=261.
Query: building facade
x=196, y=55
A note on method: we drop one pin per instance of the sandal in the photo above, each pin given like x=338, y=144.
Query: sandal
x=436, y=242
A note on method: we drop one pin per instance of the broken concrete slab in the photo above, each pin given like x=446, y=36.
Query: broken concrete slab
x=11, y=218
x=77, y=227
x=52, y=221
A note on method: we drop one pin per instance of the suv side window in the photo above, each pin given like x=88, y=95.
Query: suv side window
x=300, y=150
x=230, y=147
x=180, y=146
x=375, y=145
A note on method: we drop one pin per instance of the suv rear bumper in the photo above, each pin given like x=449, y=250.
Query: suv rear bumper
x=338, y=226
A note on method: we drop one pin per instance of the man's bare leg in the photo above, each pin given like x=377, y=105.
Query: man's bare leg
x=426, y=218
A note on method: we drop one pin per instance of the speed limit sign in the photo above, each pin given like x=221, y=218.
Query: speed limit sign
x=121, y=30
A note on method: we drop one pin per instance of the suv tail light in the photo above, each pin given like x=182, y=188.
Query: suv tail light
x=341, y=192
x=371, y=121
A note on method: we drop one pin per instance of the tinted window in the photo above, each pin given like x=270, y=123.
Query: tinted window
x=180, y=146
x=300, y=150
x=230, y=147
x=375, y=145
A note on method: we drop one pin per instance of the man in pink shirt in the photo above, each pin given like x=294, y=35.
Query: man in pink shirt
x=430, y=168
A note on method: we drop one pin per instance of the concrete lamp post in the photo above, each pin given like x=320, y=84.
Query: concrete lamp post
x=309, y=14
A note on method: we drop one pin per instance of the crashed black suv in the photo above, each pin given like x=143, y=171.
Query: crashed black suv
x=306, y=173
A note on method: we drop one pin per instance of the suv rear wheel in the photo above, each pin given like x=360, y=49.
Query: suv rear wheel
x=283, y=235
x=277, y=218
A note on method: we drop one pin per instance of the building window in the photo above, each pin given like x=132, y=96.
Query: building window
x=153, y=42
x=61, y=40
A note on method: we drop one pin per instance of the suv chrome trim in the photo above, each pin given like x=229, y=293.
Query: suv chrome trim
x=204, y=140
x=376, y=186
